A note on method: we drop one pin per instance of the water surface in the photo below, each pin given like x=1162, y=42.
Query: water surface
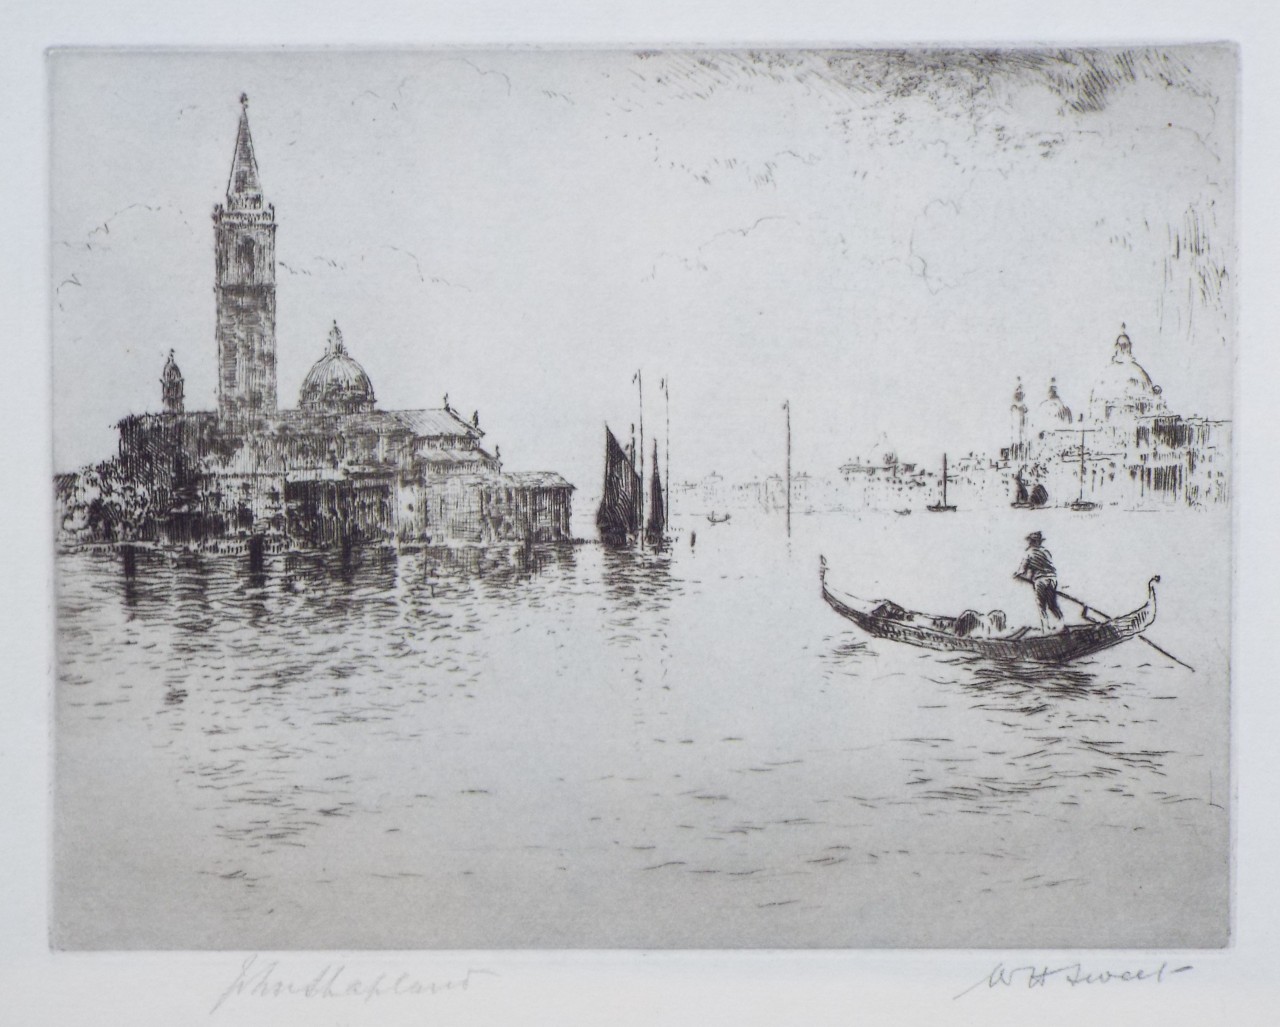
x=579, y=748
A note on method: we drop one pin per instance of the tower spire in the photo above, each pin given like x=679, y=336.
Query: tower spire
x=244, y=191
x=245, y=286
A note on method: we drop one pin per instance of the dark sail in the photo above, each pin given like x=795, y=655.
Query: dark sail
x=657, y=525
x=1022, y=496
x=618, y=518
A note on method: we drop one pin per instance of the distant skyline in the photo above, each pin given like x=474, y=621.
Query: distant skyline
x=886, y=239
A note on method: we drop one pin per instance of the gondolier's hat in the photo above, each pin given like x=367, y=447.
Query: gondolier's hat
x=1035, y=538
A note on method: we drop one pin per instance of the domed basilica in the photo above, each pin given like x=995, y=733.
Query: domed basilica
x=336, y=470
x=1129, y=450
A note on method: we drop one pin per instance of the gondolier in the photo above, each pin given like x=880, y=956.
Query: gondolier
x=1038, y=569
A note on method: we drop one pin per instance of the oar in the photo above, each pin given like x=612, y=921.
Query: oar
x=1085, y=608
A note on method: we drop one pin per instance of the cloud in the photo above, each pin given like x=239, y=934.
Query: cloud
x=703, y=254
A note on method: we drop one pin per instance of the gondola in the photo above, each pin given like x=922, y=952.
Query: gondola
x=886, y=619
x=1036, y=498
x=715, y=518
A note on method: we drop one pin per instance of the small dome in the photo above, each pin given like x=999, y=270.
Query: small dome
x=336, y=383
x=1124, y=388
x=882, y=454
x=1053, y=413
x=171, y=373
x=171, y=386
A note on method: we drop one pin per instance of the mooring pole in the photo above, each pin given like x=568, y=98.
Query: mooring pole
x=786, y=405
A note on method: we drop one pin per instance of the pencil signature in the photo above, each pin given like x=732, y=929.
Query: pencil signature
x=1032, y=976
x=263, y=979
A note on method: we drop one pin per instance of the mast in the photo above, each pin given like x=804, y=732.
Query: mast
x=944, y=479
x=786, y=405
x=1082, y=467
x=666, y=497
x=637, y=511
x=1083, y=432
x=639, y=380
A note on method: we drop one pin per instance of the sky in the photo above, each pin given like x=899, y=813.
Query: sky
x=887, y=239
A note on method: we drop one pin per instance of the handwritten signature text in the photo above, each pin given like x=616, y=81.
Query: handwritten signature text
x=1072, y=974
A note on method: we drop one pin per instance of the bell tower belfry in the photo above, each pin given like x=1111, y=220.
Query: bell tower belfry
x=245, y=286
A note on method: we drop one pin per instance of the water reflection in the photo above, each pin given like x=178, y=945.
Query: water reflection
x=637, y=578
x=563, y=720
x=1062, y=733
x=846, y=652
x=1015, y=680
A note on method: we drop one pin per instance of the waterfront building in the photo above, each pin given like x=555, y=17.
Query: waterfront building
x=880, y=481
x=1131, y=450
x=335, y=470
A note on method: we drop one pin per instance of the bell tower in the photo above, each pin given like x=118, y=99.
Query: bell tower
x=1018, y=419
x=245, y=286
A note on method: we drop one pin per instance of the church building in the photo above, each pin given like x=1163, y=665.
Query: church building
x=1129, y=449
x=333, y=470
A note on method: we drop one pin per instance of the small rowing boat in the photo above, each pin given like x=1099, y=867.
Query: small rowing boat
x=886, y=619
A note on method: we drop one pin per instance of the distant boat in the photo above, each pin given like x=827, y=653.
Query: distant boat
x=886, y=619
x=714, y=519
x=618, y=516
x=907, y=512
x=655, y=530
x=1080, y=504
x=942, y=507
x=1033, y=500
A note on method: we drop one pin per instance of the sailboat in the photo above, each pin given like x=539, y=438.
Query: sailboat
x=618, y=517
x=1080, y=504
x=942, y=507
x=654, y=532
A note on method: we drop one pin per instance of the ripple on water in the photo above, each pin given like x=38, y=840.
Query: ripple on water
x=574, y=745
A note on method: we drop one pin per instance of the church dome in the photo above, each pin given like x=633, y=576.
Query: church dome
x=336, y=384
x=1053, y=412
x=1124, y=388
